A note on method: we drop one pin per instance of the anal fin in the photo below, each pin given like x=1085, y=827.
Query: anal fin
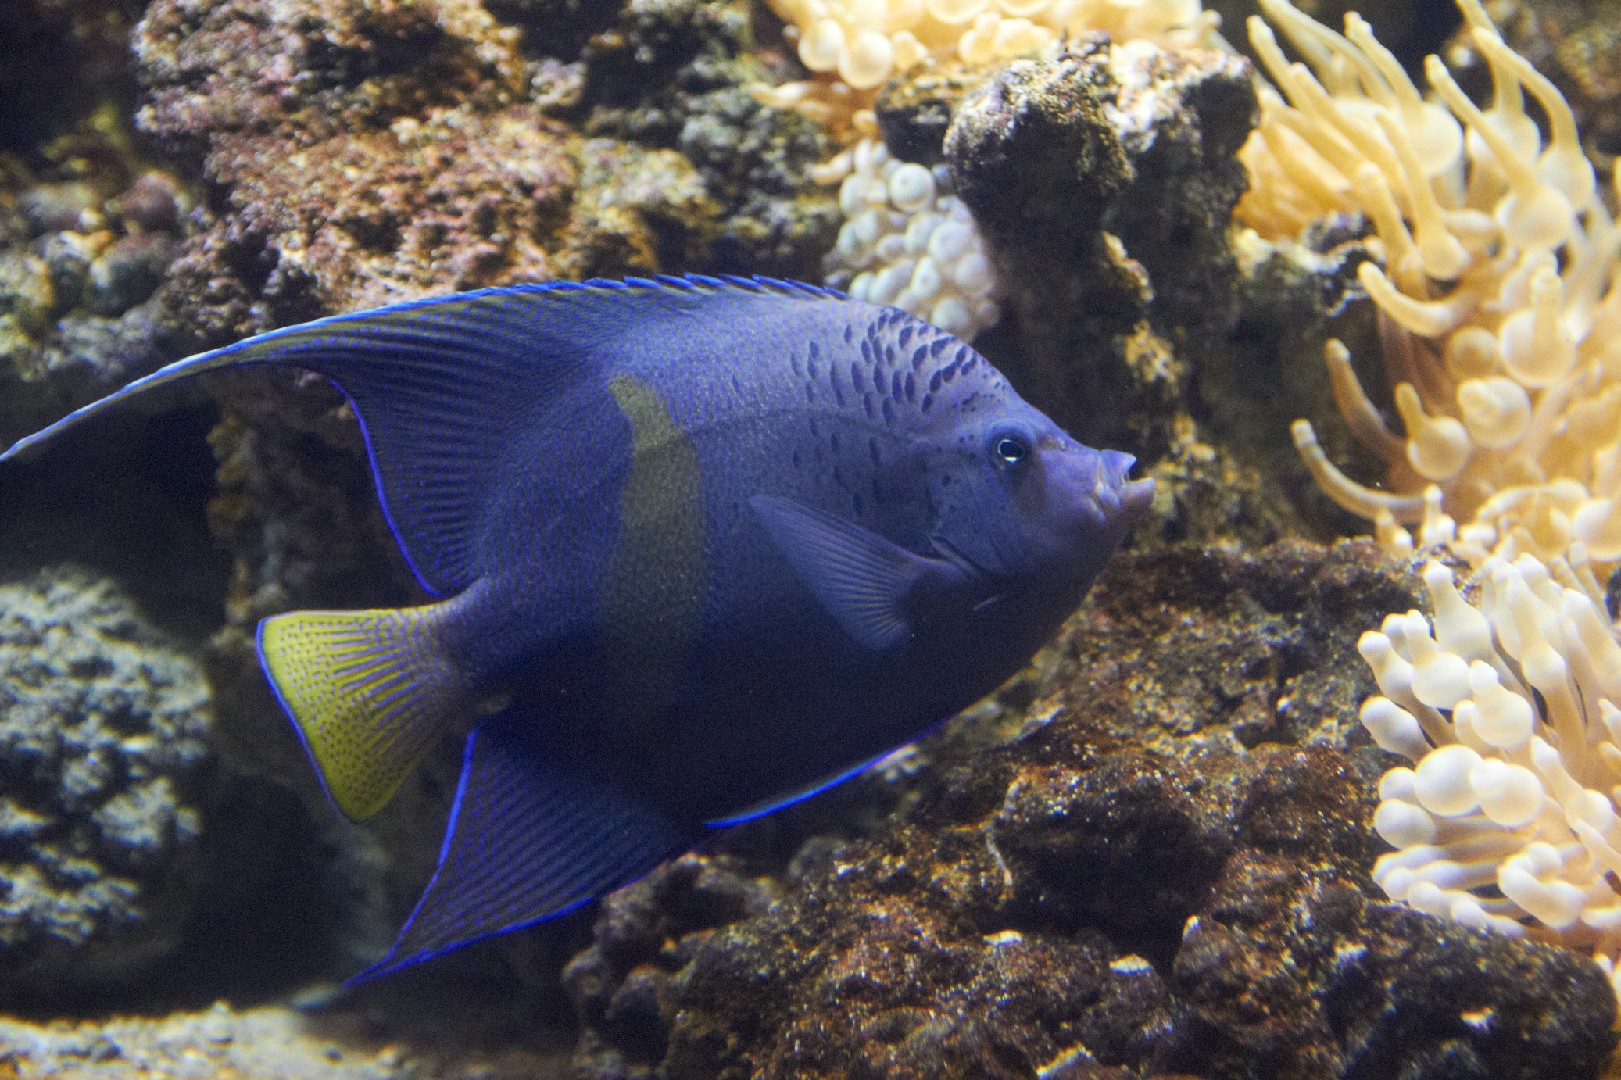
x=368, y=691
x=528, y=840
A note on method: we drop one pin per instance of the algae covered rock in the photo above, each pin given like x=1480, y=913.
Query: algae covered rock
x=80, y=266
x=103, y=732
x=1106, y=180
x=1165, y=871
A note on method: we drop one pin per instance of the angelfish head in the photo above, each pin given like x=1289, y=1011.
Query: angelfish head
x=1031, y=506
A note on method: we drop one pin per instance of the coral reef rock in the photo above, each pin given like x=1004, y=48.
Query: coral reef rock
x=81, y=261
x=364, y=153
x=1165, y=871
x=1105, y=179
x=102, y=736
x=679, y=75
x=264, y=1043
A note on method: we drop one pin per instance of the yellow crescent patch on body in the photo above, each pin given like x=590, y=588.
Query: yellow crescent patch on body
x=653, y=598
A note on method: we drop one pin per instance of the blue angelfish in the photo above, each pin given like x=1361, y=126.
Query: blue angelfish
x=700, y=548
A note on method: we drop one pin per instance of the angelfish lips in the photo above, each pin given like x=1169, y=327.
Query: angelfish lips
x=1115, y=498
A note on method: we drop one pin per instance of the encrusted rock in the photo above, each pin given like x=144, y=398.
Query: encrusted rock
x=1164, y=872
x=102, y=729
x=1300, y=970
x=1105, y=180
x=80, y=264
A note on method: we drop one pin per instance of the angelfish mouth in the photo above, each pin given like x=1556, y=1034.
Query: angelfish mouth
x=1115, y=494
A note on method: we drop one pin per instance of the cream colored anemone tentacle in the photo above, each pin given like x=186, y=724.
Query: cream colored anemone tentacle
x=1360, y=414
x=1362, y=501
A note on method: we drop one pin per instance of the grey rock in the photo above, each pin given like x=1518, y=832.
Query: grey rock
x=102, y=738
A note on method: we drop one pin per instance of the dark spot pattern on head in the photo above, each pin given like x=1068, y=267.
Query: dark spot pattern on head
x=939, y=345
x=911, y=387
x=888, y=409
x=895, y=386
x=849, y=333
x=833, y=437
x=872, y=448
x=838, y=384
x=793, y=360
x=866, y=405
x=737, y=388
x=857, y=379
x=812, y=368
x=927, y=403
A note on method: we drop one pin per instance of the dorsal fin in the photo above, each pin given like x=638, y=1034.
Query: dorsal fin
x=433, y=381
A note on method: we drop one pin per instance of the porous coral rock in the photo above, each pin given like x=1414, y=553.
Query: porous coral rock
x=102, y=729
x=858, y=45
x=1104, y=181
x=644, y=935
x=80, y=264
x=677, y=76
x=1304, y=971
x=374, y=153
x=1165, y=871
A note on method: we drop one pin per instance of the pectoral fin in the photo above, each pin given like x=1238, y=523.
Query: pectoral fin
x=863, y=580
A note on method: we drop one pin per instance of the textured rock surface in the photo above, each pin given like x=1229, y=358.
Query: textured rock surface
x=1105, y=180
x=80, y=264
x=264, y=1043
x=102, y=729
x=366, y=153
x=1166, y=872
x=676, y=74
x=63, y=69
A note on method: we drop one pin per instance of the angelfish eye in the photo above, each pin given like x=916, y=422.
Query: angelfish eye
x=1010, y=450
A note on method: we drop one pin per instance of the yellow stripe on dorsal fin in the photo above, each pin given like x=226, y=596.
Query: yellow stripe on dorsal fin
x=368, y=691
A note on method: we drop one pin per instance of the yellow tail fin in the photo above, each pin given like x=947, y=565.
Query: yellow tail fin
x=369, y=691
